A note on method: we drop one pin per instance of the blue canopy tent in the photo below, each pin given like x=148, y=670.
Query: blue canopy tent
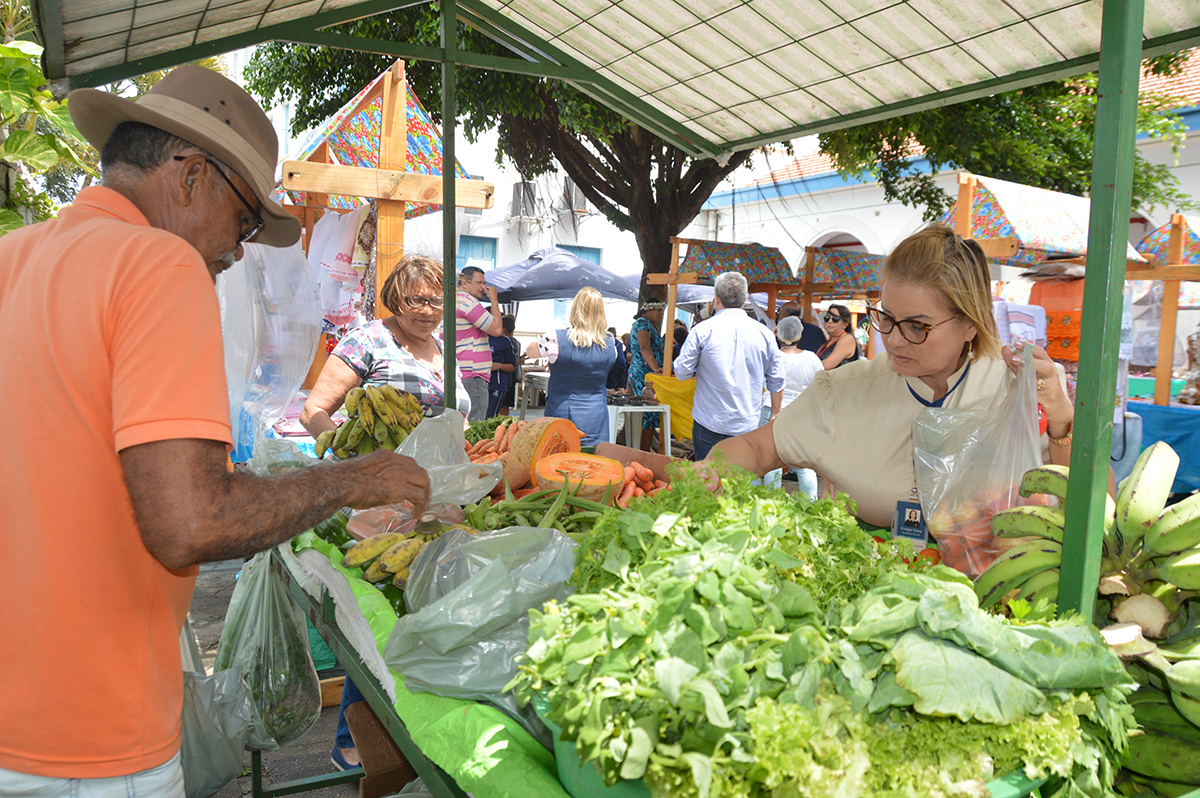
x=554, y=273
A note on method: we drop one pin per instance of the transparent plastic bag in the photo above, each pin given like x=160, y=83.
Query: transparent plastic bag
x=274, y=456
x=217, y=714
x=439, y=445
x=399, y=518
x=468, y=602
x=266, y=636
x=969, y=466
x=271, y=324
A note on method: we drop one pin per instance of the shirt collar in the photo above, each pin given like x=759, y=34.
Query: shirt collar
x=102, y=199
x=925, y=392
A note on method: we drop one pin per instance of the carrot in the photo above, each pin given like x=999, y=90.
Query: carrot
x=478, y=446
x=644, y=473
x=630, y=473
x=509, y=435
x=626, y=494
x=498, y=433
x=656, y=491
x=487, y=445
x=489, y=457
x=659, y=484
x=638, y=491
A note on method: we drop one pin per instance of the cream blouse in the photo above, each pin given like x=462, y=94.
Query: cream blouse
x=853, y=426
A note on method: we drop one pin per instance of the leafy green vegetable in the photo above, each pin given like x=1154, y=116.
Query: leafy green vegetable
x=485, y=428
x=753, y=643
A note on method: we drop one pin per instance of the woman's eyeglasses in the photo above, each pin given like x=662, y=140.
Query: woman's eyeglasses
x=828, y=317
x=416, y=302
x=915, y=332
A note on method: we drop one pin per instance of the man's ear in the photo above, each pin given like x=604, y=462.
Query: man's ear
x=186, y=179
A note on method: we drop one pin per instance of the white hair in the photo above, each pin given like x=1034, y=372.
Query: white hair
x=731, y=288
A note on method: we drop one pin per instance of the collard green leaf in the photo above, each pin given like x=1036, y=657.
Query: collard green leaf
x=671, y=674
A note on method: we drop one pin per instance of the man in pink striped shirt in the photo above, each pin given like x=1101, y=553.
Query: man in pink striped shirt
x=473, y=324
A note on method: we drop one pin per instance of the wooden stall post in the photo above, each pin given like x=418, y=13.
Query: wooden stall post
x=1166, y=332
x=393, y=154
x=964, y=211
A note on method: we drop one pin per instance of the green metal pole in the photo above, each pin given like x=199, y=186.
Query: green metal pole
x=1108, y=235
x=449, y=209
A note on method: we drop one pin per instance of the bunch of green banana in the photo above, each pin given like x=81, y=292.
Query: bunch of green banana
x=1164, y=757
x=1146, y=544
x=378, y=417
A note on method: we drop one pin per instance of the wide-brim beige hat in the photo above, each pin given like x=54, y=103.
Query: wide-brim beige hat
x=207, y=109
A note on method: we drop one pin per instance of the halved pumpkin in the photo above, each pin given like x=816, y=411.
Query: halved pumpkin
x=592, y=474
x=542, y=437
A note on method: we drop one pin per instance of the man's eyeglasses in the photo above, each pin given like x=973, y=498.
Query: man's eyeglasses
x=915, y=332
x=416, y=302
x=255, y=222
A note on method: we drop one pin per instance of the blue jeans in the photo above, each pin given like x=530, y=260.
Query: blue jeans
x=164, y=781
x=703, y=439
x=350, y=695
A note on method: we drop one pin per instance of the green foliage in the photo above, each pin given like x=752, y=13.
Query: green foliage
x=1040, y=136
x=636, y=180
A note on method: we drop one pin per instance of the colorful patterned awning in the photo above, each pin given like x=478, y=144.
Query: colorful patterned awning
x=353, y=140
x=850, y=272
x=758, y=264
x=1048, y=224
x=1154, y=247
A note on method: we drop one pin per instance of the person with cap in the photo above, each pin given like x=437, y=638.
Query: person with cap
x=841, y=348
x=811, y=338
x=732, y=357
x=800, y=366
x=645, y=357
x=119, y=462
x=472, y=325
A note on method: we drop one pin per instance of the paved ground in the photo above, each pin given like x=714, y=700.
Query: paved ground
x=308, y=757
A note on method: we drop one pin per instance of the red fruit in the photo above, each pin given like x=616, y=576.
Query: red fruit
x=930, y=554
x=878, y=539
x=1042, y=422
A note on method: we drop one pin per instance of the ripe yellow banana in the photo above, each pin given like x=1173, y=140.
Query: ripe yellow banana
x=381, y=407
x=368, y=549
x=324, y=441
x=376, y=573
x=366, y=415
x=353, y=397
x=400, y=579
x=402, y=554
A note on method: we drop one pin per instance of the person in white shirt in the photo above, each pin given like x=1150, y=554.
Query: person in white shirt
x=799, y=368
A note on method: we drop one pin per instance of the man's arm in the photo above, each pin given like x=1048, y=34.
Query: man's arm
x=190, y=510
x=496, y=327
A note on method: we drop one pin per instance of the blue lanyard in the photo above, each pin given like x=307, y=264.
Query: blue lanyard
x=938, y=402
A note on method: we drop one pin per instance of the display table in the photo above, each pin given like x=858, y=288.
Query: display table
x=455, y=746
x=532, y=381
x=638, y=411
x=1179, y=427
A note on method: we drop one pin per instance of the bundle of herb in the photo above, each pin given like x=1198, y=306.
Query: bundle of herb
x=485, y=428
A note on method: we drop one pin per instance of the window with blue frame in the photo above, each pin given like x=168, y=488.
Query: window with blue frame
x=476, y=251
x=562, y=307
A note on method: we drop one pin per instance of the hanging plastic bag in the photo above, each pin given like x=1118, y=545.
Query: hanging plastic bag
x=468, y=601
x=265, y=635
x=217, y=714
x=969, y=466
x=439, y=445
x=275, y=456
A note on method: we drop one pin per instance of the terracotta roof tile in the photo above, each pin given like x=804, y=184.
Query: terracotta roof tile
x=1185, y=86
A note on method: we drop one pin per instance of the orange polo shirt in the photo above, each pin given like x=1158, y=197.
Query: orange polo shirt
x=112, y=339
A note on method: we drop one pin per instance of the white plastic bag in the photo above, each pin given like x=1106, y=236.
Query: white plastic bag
x=217, y=714
x=438, y=444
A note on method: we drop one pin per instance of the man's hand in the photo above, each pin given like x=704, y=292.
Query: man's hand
x=388, y=478
x=492, y=294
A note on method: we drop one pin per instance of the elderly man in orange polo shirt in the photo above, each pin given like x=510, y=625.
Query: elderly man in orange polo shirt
x=115, y=463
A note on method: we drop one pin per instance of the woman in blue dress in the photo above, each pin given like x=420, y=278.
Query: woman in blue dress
x=645, y=357
x=580, y=357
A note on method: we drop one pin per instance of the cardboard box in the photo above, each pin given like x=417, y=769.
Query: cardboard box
x=385, y=769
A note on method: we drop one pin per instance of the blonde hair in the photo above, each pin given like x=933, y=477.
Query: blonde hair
x=411, y=270
x=938, y=258
x=589, y=327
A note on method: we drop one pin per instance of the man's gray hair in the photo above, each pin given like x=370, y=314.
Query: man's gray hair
x=731, y=289
x=468, y=273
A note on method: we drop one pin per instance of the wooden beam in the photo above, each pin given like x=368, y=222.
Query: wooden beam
x=384, y=184
x=999, y=247
x=393, y=155
x=673, y=277
x=1175, y=271
x=964, y=211
x=1170, y=313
